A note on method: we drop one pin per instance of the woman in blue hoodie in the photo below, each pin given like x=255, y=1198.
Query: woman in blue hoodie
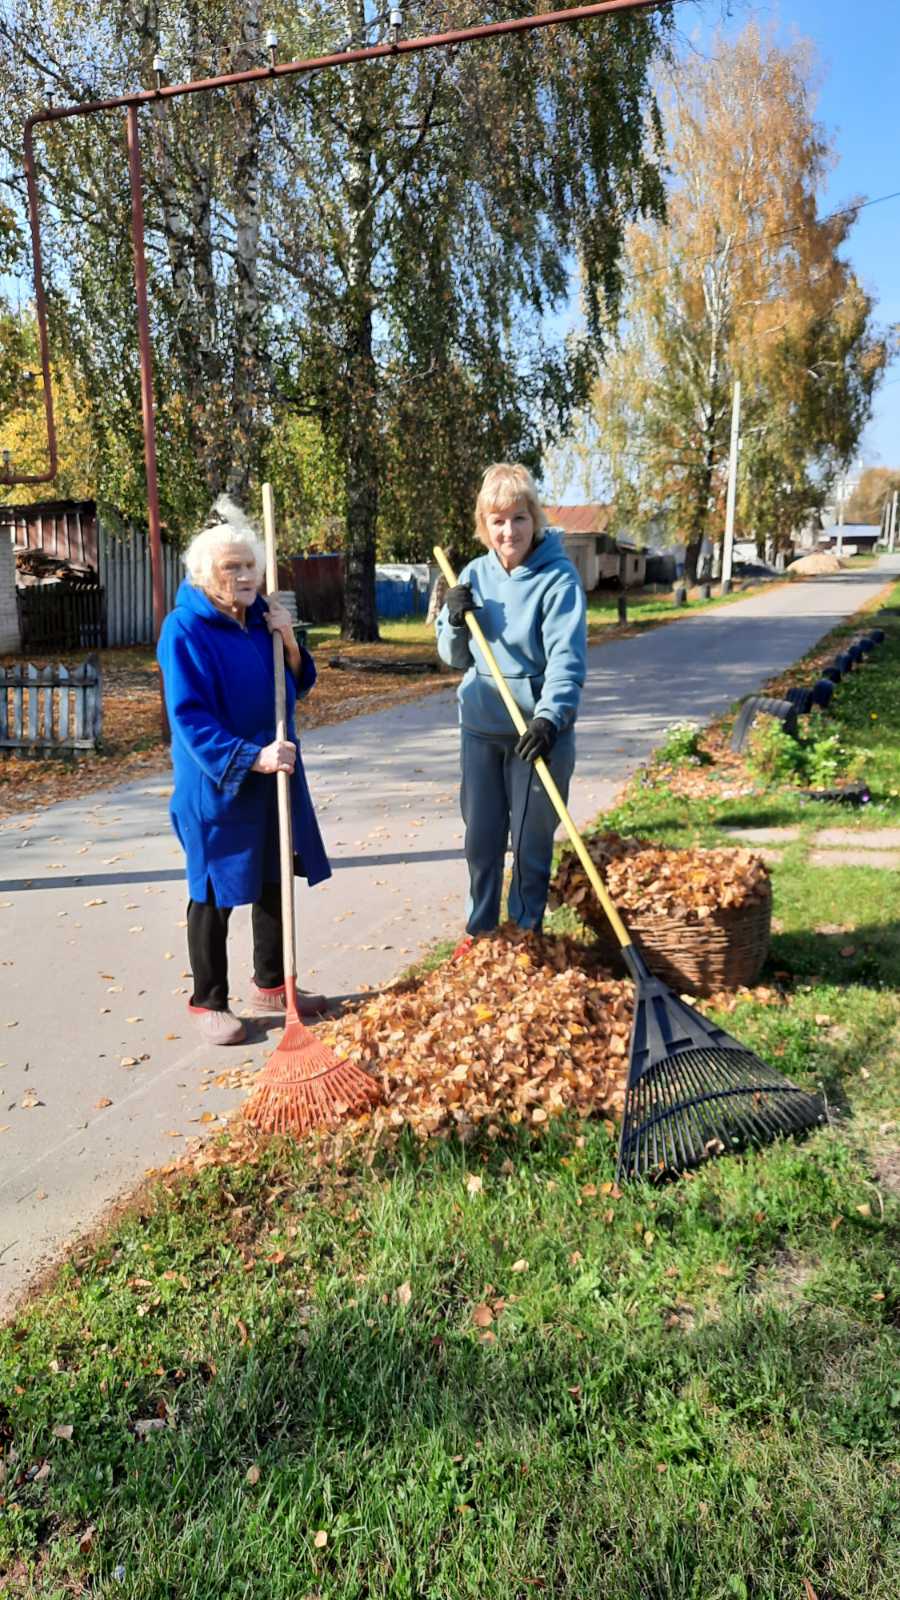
x=531, y=606
x=215, y=653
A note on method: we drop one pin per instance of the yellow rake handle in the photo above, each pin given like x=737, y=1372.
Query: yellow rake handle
x=540, y=766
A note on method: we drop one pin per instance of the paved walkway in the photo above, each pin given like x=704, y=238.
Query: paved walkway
x=100, y=1077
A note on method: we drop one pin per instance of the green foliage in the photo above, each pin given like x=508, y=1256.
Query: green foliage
x=816, y=758
x=680, y=744
x=824, y=760
x=773, y=753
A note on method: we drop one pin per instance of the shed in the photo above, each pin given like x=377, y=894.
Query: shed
x=854, y=537
x=599, y=557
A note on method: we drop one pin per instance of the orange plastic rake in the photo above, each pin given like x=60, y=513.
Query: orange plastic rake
x=303, y=1085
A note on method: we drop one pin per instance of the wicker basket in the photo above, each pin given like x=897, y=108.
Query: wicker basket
x=724, y=949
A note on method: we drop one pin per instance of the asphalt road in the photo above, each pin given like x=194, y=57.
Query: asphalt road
x=100, y=1074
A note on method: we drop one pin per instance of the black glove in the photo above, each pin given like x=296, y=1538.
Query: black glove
x=537, y=740
x=460, y=599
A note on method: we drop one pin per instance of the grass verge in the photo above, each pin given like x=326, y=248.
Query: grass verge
x=482, y=1371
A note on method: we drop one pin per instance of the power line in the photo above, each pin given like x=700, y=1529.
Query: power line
x=781, y=233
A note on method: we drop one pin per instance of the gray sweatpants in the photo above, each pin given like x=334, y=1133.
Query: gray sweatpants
x=502, y=797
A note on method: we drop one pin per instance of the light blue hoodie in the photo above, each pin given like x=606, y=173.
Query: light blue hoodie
x=534, y=620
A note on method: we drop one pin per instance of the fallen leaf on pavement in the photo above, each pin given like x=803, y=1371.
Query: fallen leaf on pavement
x=29, y=1100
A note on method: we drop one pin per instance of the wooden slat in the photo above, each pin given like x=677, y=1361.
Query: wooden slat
x=46, y=698
x=32, y=673
x=63, y=676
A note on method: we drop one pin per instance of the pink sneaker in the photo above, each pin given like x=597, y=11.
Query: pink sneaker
x=218, y=1027
x=273, y=1002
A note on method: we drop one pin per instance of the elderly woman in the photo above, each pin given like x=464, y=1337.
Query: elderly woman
x=215, y=652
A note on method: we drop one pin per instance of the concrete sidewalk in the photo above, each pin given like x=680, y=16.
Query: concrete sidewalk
x=100, y=1077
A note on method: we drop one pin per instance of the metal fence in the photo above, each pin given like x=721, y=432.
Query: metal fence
x=50, y=710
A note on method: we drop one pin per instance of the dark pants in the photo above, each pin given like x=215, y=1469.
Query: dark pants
x=502, y=798
x=207, y=934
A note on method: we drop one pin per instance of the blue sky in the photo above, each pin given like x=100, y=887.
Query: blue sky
x=858, y=44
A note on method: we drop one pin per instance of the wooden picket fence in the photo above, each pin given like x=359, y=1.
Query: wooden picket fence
x=50, y=710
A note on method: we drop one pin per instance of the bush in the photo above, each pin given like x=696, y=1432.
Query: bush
x=681, y=743
x=816, y=758
x=772, y=753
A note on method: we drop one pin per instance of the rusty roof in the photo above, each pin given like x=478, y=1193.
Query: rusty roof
x=579, y=519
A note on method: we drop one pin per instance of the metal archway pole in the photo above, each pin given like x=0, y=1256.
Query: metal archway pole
x=148, y=409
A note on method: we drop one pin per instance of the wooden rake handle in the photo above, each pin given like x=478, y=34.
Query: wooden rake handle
x=540, y=766
x=285, y=830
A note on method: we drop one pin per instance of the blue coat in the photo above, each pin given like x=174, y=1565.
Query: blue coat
x=534, y=620
x=219, y=682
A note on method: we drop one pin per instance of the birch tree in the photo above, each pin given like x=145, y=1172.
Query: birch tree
x=743, y=280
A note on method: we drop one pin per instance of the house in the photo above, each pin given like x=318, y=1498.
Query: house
x=600, y=558
x=854, y=538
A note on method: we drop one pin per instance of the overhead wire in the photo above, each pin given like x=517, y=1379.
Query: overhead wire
x=778, y=233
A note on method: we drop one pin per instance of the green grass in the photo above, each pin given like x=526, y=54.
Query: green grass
x=692, y=1392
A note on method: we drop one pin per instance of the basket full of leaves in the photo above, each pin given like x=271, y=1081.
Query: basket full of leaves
x=701, y=918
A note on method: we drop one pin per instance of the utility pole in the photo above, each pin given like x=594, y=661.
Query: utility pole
x=728, y=543
x=893, y=533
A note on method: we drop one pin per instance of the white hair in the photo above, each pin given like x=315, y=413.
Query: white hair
x=225, y=525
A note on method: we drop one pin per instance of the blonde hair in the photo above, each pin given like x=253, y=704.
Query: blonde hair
x=502, y=485
x=225, y=525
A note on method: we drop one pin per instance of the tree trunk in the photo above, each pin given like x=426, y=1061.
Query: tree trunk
x=700, y=516
x=360, y=622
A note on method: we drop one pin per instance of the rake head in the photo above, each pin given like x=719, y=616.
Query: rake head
x=304, y=1085
x=694, y=1091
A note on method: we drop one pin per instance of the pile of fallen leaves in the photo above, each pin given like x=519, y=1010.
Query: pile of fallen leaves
x=690, y=885
x=517, y=1030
